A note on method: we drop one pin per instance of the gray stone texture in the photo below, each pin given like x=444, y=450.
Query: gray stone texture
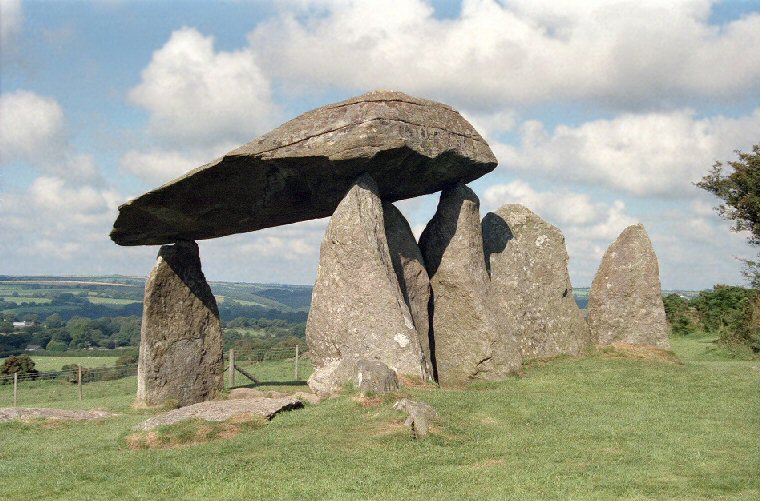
x=527, y=260
x=470, y=342
x=181, y=339
x=223, y=410
x=411, y=273
x=302, y=169
x=358, y=310
x=625, y=301
x=420, y=416
x=373, y=377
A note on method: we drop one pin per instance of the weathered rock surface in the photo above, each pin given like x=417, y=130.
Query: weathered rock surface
x=249, y=393
x=420, y=417
x=181, y=339
x=24, y=413
x=412, y=275
x=528, y=261
x=222, y=410
x=375, y=377
x=302, y=169
x=469, y=340
x=358, y=310
x=625, y=301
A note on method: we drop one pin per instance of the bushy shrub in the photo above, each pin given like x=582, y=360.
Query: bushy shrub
x=684, y=319
x=22, y=365
x=733, y=313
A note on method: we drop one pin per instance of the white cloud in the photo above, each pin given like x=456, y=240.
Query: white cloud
x=33, y=130
x=196, y=95
x=11, y=19
x=158, y=166
x=650, y=154
x=621, y=53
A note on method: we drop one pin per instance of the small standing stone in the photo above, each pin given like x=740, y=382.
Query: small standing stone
x=375, y=377
x=420, y=416
x=181, y=339
x=625, y=301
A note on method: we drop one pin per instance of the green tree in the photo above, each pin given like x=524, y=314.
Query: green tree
x=740, y=191
x=21, y=364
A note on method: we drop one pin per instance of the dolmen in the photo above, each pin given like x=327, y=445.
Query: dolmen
x=470, y=301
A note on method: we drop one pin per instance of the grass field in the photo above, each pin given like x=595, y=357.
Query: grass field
x=110, y=300
x=593, y=428
x=28, y=299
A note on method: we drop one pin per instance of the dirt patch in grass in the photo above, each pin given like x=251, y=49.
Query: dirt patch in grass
x=639, y=352
x=193, y=432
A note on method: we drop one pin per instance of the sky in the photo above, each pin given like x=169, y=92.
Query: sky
x=602, y=114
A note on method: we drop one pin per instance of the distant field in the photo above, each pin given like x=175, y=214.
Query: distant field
x=27, y=299
x=109, y=300
x=45, y=364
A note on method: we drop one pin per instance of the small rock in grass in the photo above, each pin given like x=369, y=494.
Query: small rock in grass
x=420, y=416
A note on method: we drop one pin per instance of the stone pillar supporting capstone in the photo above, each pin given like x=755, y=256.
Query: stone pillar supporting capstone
x=181, y=350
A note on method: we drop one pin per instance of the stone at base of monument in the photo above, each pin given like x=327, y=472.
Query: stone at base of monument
x=181, y=353
x=420, y=416
x=373, y=377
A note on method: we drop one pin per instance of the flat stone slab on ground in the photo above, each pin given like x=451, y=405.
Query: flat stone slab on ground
x=221, y=410
x=302, y=170
x=14, y=413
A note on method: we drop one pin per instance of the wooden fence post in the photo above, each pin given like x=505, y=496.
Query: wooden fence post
x=79, y=381
x=232, y=368
x=296, y=363
x=15, y=387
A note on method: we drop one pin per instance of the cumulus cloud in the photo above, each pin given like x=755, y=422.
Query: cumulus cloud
x=11, y=19
x=158, y=166
x=621, y=53
x=33, y=130
x=197, y=95
x=649, y=154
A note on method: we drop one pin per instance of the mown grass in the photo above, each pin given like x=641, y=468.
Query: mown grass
x=593, y=428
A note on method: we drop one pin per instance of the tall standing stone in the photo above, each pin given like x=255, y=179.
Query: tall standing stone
x=470, y=342
x=412, y=275
x=181, y=351
x=528, y=261
x=625, y=301
x=358, y=310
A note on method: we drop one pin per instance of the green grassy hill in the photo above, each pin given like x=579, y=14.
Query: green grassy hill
x=601, y=427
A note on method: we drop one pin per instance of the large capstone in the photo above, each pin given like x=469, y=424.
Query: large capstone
x=470, y=341
x=412, y=275
x=625, y=301
x=181, y=339
x=527, y=260
x=302, y=169
x=357, y=309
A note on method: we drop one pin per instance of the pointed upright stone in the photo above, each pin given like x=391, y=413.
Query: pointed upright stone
x=181, y=339
x=358, y=310
x=470, y=343
x=527, y=260
x=625, y=301
x=412, y=275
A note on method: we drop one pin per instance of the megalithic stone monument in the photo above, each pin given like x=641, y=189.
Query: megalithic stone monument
x=625, y=301
x=299, y=171
x=181, y=338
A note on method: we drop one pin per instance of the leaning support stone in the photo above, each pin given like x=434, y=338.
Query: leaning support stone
x=470, y=341
x=358, y=310
x=181, y=351
x=527, y=260
x=625, y=301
